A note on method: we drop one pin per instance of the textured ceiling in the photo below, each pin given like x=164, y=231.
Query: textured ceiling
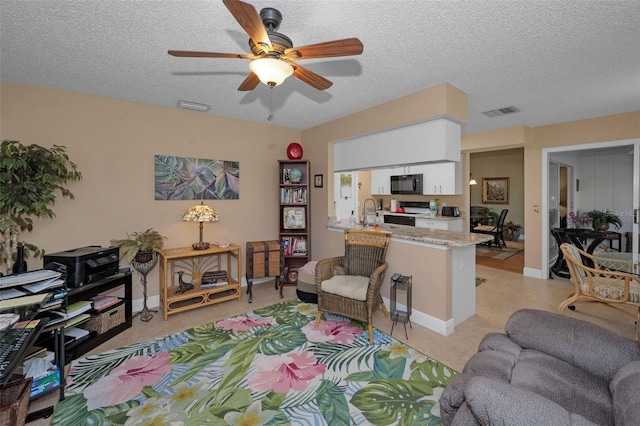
x=555, y=60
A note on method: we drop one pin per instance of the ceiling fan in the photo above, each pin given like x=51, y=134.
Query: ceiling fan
x=273, y=55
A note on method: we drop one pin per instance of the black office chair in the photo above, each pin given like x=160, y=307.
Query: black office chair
x=496, y=230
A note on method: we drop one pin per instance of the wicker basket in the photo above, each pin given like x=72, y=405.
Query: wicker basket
x=106, y=320
x=14, y=402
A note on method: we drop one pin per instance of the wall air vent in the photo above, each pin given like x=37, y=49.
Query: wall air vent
x=501, y=111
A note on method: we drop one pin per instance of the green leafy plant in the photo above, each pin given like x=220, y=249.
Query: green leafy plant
x=31, y=176
x=138, y=242
x=602, y=217
x=493, y=216
x=512, y=226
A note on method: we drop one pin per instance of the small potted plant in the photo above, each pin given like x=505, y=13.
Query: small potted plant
x=513, y=230
x=140, y=246
x=601, y=219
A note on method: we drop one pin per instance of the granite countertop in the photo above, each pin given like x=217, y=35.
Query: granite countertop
x=422, y=235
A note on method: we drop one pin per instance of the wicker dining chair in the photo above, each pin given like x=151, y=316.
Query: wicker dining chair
x=615, y=289
x=349, y=285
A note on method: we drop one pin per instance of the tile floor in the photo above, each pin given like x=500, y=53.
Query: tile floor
x=502, y=294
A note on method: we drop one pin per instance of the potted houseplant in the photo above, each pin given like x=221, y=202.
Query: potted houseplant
x=600, y=220
x=141, y=250
x=140, y=246
x=31, y=176
x=513, y=230
x=492, y=216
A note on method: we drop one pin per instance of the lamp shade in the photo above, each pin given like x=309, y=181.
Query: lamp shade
x=201, y=213
x=271, y=71
x=472, y=181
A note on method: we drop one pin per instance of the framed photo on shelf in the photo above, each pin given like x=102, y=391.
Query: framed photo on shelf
x=300, y=247
x=495, y=190
x=317, y=182
x=294, y=218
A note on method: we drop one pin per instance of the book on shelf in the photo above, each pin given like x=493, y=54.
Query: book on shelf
x=101, y=302
x=294, y=246
x=76, y=332
x=214, y=284
x=75, y=309
x=76, y=320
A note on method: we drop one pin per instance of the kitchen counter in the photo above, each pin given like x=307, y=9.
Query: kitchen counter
x=443, y=266
x=424, y=235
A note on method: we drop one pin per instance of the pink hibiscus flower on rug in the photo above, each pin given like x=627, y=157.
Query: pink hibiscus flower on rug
x=285, y=372
x=239, y=324
x=126, y=381
x=332, y=331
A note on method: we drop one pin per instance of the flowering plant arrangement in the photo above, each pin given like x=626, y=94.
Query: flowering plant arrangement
x=578, y=219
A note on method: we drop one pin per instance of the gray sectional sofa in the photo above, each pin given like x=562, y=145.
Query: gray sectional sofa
x=547, y=369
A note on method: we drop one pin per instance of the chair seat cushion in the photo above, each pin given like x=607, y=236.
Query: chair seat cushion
x=487, y=228
x=350, y=286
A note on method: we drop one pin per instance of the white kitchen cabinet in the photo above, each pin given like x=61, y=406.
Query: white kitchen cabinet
x=442, y=178
x=407, y=170
x=445, y=225
x=381, y=181
x=434, y=140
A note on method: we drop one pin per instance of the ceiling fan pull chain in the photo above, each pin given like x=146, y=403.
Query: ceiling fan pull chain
x=270, y=117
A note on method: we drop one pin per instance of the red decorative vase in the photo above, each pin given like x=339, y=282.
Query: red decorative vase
x=294, y=151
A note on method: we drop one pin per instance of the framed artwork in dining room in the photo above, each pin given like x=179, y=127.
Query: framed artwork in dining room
x=317, y=182
x=495, y=190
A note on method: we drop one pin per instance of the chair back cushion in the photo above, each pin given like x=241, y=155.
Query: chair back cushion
x=349, y=286
x=364, y=251
x=574, y=261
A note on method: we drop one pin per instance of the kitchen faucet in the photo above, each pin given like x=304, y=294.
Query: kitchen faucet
x=364, y=210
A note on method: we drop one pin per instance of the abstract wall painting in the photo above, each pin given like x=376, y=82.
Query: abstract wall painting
x=179, y=178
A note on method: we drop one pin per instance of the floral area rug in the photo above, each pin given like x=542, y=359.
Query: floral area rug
x=270, y=366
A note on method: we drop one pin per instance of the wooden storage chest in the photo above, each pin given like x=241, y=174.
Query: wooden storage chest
x=264, y=259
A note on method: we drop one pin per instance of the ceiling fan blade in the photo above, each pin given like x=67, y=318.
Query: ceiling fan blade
x=249, y=83
x=190, y=54
x=329, y=49
x=248, y=18
x=311, y=78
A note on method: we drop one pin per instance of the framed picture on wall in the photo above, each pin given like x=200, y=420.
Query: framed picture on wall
x=495, y=190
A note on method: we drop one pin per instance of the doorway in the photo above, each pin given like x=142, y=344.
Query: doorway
x=345, y=194
x=599, y=176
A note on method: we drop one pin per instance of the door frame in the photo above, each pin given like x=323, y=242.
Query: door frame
x=546, y=152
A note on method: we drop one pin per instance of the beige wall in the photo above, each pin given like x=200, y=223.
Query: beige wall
x=114, y=143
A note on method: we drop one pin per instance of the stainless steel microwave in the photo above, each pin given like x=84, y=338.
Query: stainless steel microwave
x=406, y=184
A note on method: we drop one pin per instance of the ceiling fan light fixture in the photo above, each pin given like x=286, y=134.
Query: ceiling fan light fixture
x=270, y=71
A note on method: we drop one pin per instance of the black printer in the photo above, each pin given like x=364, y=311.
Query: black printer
x=86, y=264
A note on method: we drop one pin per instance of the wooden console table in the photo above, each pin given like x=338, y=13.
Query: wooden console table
x=193, y=264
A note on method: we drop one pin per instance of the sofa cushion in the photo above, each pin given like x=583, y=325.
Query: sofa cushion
x=351, y=286
x=576, y=342
x=569, y=386
x=494, y=402
x=625, y=388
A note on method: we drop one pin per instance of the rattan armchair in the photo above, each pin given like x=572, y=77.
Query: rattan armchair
x=349, y=285
x=615, y=289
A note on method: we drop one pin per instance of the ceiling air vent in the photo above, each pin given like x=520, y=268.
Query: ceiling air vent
x=501, y=111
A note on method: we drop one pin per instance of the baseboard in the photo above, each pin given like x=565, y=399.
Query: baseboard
x=532, y=273
x=437, y=325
